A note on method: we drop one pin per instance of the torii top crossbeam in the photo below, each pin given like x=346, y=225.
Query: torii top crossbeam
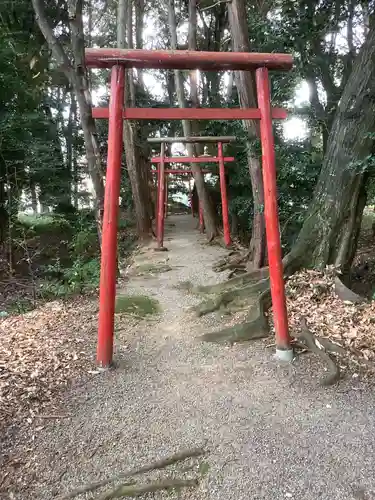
x=185, y=140
x=183, y=59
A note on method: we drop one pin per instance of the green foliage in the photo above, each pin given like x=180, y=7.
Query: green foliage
x=44, y=224
x=84, y=243
x=80, y=277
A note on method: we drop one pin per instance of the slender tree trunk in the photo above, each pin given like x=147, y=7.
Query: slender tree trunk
x=75, y=173
x=34, y=197
x=135, y=162
x=139, y=24
x=209, y=216
x=329, y=234
x=245, y=84
x=82, y=90
x=69, y=141
x=76, y=73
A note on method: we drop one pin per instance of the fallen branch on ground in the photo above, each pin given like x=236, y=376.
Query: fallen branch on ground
x=136, y=490
x=159, y=464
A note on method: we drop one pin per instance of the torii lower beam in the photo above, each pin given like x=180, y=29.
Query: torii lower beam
x=192, y=159
x=190, y=114
x=118, y=60
x=193, y=139
x=182, y=171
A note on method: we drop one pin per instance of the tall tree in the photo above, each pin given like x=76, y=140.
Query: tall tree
x=237, y=16
x=136, y=157
x=72, y=63
x=330, y=232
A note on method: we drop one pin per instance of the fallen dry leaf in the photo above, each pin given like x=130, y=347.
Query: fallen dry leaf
x=348, y=325
x=38, y=355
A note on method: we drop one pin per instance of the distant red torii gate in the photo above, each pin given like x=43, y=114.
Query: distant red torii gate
x=118, y=60
x=161, y=182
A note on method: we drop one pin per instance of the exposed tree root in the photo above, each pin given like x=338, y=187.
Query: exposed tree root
x=252, y=290
x=140, y=489
x=233, y=261
x=238, y=281
x=159, y=464
x=231, y=266
x=236, y=272
x=255, y=326
x=344, y=293
x=345, y=352
x=315, y=345
x=238, y=297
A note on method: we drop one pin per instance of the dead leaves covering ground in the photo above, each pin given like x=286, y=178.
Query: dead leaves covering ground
x=310, y=294
x=40, y=353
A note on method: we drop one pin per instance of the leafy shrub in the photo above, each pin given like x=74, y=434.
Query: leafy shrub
x=81, y=276
x=84, y=244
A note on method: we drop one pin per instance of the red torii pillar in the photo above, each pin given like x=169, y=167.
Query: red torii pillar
x=118, y=59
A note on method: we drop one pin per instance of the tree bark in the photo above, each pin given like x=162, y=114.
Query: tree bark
x=209, y=216
x=75, y=173
x=136, y=163
x=76, y=73
x=139, y=24
x=237, y=17
x=330, y=232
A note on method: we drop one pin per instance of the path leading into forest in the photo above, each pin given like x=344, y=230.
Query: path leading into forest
x=271, y=432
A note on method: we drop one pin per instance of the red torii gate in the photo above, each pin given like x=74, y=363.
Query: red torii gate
x=118, y=60
x=161, y=182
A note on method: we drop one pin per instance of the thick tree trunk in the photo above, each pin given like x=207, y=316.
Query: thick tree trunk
x=209, y=216
x=330, y=231
x=137, y=167
x=245, y=84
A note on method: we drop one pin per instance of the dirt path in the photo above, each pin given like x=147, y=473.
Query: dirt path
x=271, y=431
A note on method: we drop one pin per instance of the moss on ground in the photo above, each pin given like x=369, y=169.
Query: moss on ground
x=137, y=305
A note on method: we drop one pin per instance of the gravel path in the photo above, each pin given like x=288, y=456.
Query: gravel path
x=271, y=431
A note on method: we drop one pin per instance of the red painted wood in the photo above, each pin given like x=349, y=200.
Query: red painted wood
x=161, y=199
x=224, y=198
x=108, y=269
x=166, y=198
x=190, y=113
x=184, y=59
x=181, y=171
x=271, y=213
x=192, y=159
